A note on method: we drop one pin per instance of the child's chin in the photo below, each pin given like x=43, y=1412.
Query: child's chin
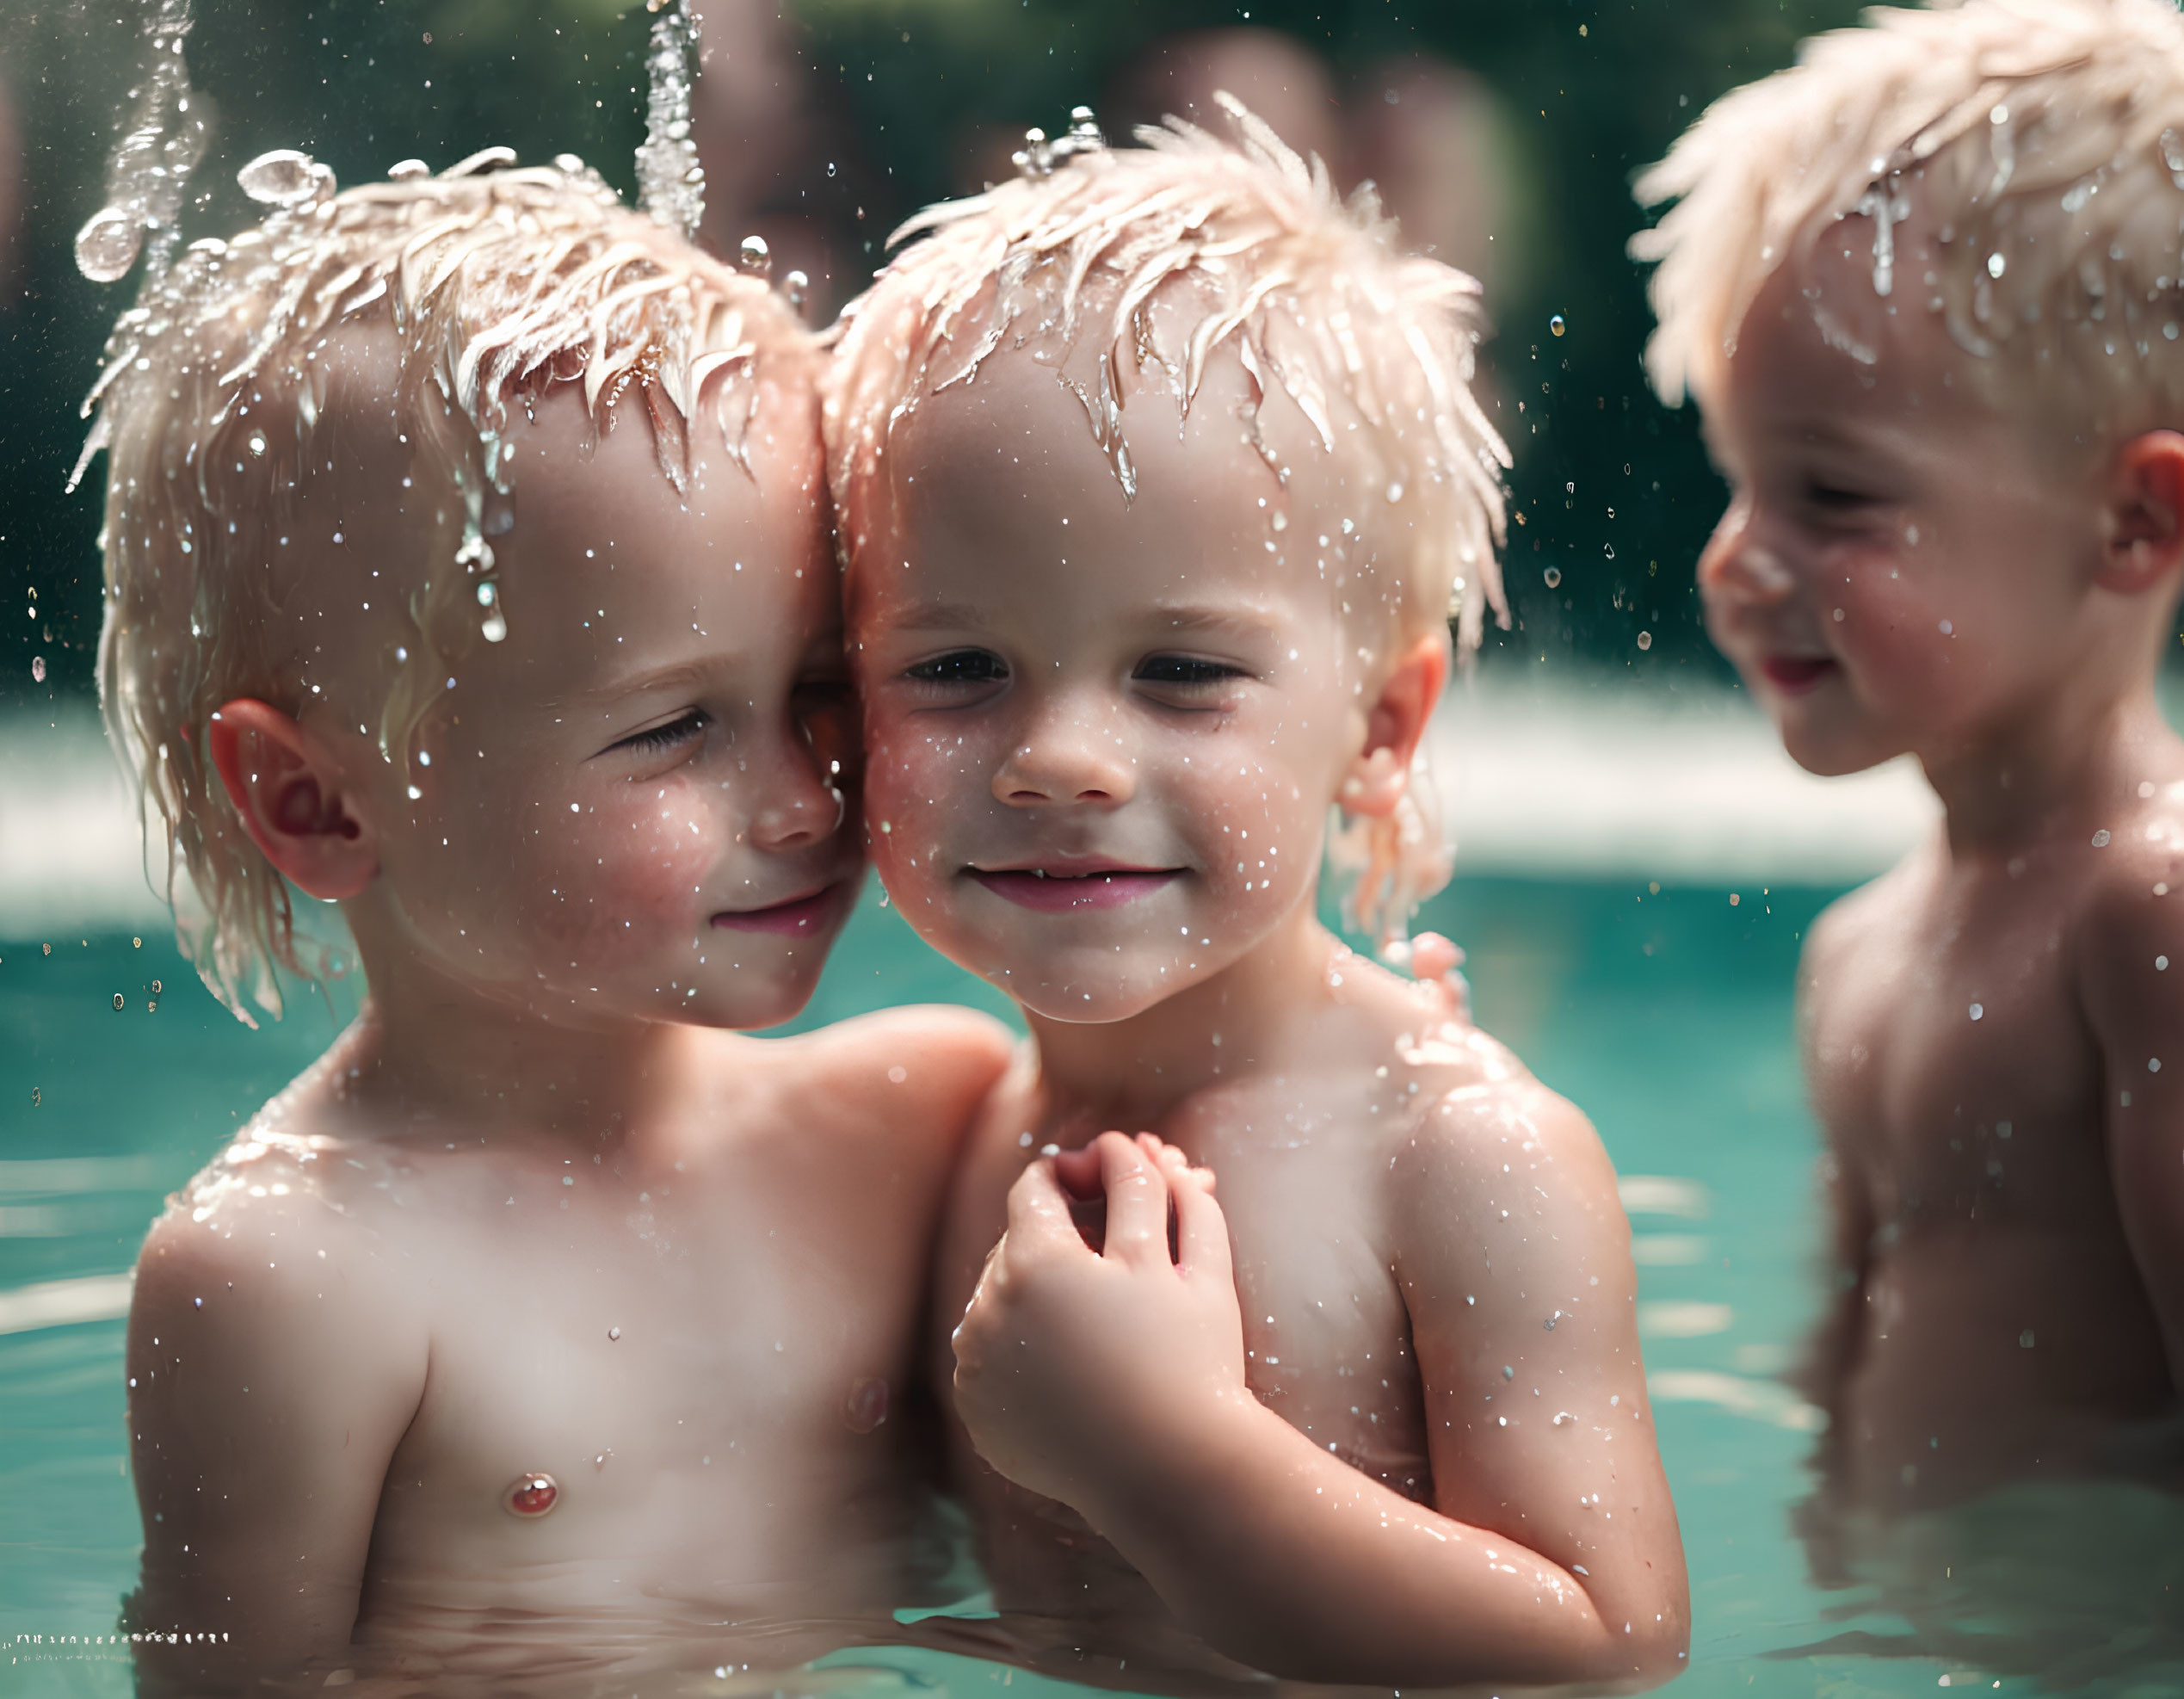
x=1828, y=754
x=1091, y=1000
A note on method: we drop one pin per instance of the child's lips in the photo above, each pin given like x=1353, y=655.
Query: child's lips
x=1059, y=890
x=1794, y=674
x=798, y=917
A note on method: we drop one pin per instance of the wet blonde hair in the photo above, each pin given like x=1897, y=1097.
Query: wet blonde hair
x=2045, y=141
x=494, y=285
x=1252, y=246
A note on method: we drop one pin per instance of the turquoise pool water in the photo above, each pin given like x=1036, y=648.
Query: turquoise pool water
x=1665, y=1015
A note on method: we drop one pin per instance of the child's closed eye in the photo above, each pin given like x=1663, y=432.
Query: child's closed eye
x=1187, y=678
x=669, y=734
x=959, y=668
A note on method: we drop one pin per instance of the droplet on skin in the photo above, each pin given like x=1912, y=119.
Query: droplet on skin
x=1978, y=1009
x=868, y=1405
x=613, y=1333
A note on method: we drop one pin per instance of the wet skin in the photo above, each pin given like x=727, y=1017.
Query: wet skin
x=535, y=1211
x=1154, y=707
x=1990, y=1029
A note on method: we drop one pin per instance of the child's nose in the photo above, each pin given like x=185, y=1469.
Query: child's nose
x=805, y=806
x=1065, y=756
x=1738, y=567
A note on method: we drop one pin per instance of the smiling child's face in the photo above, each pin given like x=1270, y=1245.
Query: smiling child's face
x=1902, y=567
x=1102, y=740
x=632, y=806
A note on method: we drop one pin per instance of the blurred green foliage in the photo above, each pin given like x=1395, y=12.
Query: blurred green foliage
x=1614, y=492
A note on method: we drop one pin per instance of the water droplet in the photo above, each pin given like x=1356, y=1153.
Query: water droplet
x=2101, y=839
x=1553, y=576
x=796, y=288
x=285, y=177
x=494, y=629
x=754, y=256
x=118, y=1000
x=107, y=245
x=1609, y=549
x=613, y=1333
x=2025, y=1339
x=671, y=184
x=1556, y=325
x=1997, y=265
x=1645, y=640
x=38, y=668
x=156, y=987
x=1978, y=1011
x=1508, y=1372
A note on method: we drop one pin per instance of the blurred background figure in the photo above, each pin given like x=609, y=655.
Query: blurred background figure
x=781, y=151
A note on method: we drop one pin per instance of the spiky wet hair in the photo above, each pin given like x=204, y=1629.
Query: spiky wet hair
x=1251, y=247
x=2046, y=140
x=494, y=285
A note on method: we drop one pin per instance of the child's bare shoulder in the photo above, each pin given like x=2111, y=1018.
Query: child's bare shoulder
x=2132, y=916
x=923, y=1070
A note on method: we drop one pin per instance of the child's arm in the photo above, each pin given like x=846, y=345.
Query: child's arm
x=2131, y=968
x=1115, y=1382
x=272, y=1373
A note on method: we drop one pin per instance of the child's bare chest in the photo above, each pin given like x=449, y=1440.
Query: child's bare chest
x=703, y=1376
x=1325, y=1324
x=1954, y=1071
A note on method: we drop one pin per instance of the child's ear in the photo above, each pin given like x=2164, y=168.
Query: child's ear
x=2146, y=514
x=1394, y=725
x=294, y=800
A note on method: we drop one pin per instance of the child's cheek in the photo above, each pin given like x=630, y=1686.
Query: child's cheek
x=627, y=873
x=916, y=781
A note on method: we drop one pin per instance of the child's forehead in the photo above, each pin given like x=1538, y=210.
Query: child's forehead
x=1823, y=347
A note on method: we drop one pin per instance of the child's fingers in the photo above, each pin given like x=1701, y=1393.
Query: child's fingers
x=1137, y=1201
x=1039, y=1209
x=1201, y=1230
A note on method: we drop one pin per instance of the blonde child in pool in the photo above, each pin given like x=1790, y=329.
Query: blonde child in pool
x=541, y=1299
x=1155, y=472
x=1924, y=287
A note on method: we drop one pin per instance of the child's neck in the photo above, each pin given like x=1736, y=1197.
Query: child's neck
x=2064, y=764
x=441, y=1053
x=1129, y=1072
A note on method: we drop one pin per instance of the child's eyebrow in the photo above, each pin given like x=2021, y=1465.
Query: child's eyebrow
x=680, y=673
x=942, y=617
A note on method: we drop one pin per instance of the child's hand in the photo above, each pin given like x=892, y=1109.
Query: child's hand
x=1436, y=961
x=1092, y=1340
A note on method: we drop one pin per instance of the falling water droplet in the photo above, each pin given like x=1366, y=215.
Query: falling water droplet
x=119, y=1001
x=107, y=245
x=755, y=257
x=38, y=668
x=1553, y=576
x=493, y=629
x=285, y=177
x=1556, y=324
x=671, y=184
x=1645, y=640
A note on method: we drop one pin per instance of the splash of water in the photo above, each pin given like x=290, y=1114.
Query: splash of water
x=671, y=184
x=150, y=170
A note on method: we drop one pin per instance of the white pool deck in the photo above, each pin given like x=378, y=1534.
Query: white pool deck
x=1589, y=781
